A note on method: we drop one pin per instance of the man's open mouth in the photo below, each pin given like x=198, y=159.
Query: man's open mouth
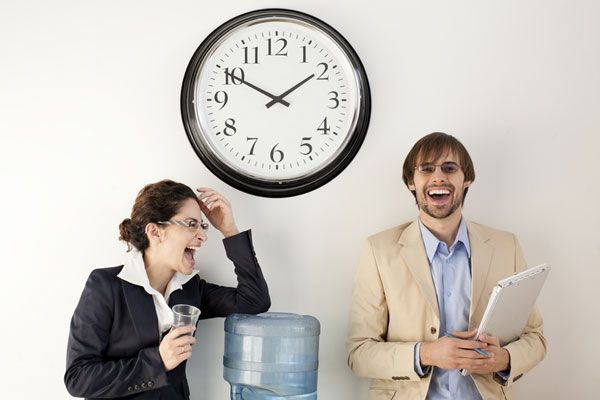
x=439, y=195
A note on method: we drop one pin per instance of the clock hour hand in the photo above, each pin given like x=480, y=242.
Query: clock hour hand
x=279, y=99
x=272, y=96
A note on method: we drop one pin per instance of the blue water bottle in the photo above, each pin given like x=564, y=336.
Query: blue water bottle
x=271, y=356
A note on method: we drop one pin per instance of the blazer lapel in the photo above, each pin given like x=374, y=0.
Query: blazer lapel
x=142, y=311
x=481, y=260
x=415, y=257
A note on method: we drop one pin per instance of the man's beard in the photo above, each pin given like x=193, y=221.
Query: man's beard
x=440, y=213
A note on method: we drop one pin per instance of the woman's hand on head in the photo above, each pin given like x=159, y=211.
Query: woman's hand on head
x=176, y=346
x=218, y=211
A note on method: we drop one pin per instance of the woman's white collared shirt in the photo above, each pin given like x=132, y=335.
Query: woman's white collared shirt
x=134, y=272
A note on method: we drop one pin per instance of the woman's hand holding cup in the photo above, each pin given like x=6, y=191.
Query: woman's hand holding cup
x=176, y=346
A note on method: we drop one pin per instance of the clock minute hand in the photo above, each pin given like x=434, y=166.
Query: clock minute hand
x=279, y=99
x=272, y=96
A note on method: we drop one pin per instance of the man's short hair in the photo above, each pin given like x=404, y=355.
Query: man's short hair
x=432, y=147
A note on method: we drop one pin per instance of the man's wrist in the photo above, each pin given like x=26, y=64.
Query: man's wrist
x=424, y=354
x=505, y=360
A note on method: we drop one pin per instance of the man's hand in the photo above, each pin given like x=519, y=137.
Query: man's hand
x=456, y=353
x=500, y=357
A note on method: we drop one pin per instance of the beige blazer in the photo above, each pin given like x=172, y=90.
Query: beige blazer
x=394, y=306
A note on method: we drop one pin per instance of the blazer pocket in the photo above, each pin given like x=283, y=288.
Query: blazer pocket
x=381, y=394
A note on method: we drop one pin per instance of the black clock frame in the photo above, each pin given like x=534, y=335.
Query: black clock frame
x=256, y=186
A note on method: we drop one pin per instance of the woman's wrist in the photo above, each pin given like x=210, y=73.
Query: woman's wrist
x=230, y=232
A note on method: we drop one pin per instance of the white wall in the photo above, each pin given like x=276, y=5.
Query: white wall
x=89, y=113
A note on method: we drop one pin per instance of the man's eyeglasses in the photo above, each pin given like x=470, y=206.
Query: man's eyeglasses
x=188, y=223
x=447, y=167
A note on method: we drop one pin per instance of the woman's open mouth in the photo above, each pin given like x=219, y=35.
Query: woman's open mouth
x=189, y=253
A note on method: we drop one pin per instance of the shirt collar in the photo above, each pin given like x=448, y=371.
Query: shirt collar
x=431, y=242
x=134, y=271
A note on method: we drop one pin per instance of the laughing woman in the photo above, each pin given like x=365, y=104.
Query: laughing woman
x=121, y=344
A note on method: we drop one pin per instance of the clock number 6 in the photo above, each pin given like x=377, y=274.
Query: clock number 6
x=276, y=153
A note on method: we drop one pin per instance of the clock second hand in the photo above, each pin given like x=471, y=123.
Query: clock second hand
x=279, y=99
x=272, y=96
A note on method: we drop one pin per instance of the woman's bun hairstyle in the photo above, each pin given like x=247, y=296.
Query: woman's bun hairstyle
x=156, y=202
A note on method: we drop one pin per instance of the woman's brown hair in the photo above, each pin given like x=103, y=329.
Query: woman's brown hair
x=156, y=202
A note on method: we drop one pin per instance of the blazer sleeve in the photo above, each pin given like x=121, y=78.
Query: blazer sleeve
x=251, y=296
x=369, y=354
x=527, y=351
x=89, y=373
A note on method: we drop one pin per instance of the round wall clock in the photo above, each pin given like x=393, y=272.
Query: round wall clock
x=275, y=102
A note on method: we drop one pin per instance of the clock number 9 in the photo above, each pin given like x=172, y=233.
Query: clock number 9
x=237, y=78
x=230, y=128
x=276, y=153
x=325, y=67
x=221, y=99
x=308, y=146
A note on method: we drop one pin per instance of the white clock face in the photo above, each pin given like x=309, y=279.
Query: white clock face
x=276, y=98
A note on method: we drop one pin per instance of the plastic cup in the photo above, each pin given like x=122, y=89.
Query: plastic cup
x=185, y=314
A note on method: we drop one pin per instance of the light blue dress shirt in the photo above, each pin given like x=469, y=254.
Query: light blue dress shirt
x=451, y=272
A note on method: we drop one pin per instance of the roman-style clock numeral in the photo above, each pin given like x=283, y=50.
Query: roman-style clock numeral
x=307, y=146
x=335, y=100
x=236, y=76
x=253, y=55
x=303, y=55
x=322, y=76
x=281, y=42
x=253, y=140
x=230, y=128
x=221, y=97
x=323, y=127
x=276, y=154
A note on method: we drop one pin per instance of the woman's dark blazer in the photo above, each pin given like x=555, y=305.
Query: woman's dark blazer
x=113, y=342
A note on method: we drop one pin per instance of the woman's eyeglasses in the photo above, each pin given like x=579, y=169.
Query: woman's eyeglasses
x=447, y=167
x=188, y=223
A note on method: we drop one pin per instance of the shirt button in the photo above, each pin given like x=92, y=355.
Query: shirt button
x=448, y=294
x=433, y=330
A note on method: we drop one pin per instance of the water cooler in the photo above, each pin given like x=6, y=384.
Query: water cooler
x=271, y=356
